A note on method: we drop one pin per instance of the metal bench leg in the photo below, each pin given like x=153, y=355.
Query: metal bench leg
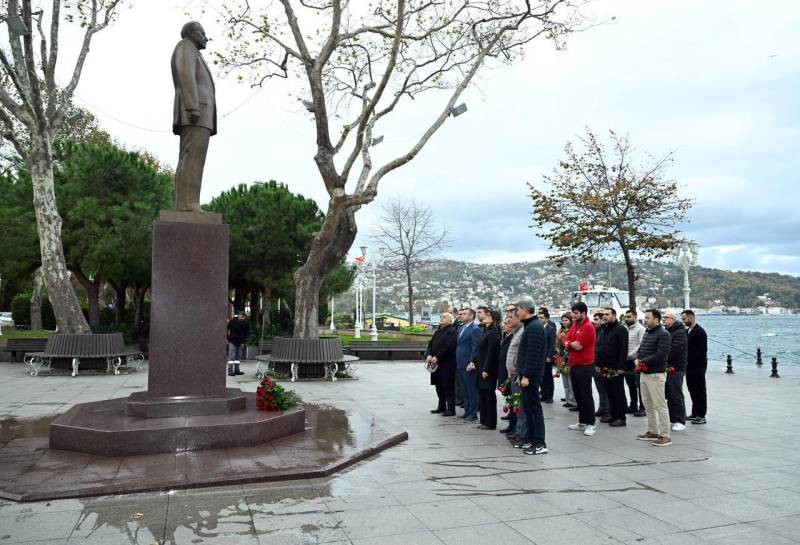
x=295, y=369
x=333, y=369
x=259, y=371
x=75, y=363
x=117, y=363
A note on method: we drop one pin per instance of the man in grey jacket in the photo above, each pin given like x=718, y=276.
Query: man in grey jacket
x=518, y=428
x=635, y=334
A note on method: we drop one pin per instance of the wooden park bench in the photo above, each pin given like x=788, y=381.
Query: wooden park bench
x=388, y=350
x=19, y=347
x=265, y=346
x=63, y=349
x=306, y=358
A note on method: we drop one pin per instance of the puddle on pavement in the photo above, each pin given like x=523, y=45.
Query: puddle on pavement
x=16, y=428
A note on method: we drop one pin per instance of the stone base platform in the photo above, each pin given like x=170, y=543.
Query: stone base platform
x=142, y=405
x=103, y=428
x=334, y=437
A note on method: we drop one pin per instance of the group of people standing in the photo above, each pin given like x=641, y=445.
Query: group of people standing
x=471, y=354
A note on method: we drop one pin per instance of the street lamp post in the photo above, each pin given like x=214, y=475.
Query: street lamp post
x=333, y=325
x=373, y=331
x=685, y=256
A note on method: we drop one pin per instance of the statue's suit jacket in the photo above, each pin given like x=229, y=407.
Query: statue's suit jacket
x=194, y=88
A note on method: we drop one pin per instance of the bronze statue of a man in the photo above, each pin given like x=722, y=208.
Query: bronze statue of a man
x=194, y=115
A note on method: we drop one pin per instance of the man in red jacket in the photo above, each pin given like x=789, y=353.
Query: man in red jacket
x=580, y=341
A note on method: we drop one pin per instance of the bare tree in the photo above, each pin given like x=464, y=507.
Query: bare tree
x=408, y=232
x=359, y=60
x=594, y=205
x=32, y=111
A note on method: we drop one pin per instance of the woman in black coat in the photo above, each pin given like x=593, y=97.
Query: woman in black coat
x=487, y=364
x=442, y=352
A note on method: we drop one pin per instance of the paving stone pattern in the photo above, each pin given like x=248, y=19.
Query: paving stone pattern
x=734, y=480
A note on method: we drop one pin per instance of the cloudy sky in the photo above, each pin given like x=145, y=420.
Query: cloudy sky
x=716, y=81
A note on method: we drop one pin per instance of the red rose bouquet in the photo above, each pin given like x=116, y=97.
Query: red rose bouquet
x=274, y=397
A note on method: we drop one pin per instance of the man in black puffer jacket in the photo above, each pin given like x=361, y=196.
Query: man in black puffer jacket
x=678, y=355
x=530, y=370
x=652, y=361
x=611, y=352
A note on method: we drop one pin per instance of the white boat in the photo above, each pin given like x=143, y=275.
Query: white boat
x=600, y=297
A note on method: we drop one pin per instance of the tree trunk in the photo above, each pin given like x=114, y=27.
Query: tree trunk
x=138, y=305
x=328, y=247
x=631, y=272
x=36, y=301
x=67, y=310
x=120, y=302
x=410, y=295
x=239, y=295
x=267, y=304
x=255, y=308
x=92, y=288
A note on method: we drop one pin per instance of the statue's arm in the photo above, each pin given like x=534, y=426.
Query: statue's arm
x=185, y=66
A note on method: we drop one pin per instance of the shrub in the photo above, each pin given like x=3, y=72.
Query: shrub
x=21, y=311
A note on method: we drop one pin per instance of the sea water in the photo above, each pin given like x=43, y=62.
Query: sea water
x=777, y=336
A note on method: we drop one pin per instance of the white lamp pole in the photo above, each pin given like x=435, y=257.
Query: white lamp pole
x=685, y=256
x=373, y=331
x=333, y=326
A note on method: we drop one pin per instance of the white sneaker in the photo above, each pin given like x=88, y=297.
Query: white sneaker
x=677, y=426
x=589, y=430
x=577, y=426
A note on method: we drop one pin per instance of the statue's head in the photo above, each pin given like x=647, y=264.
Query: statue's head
x=194, y=32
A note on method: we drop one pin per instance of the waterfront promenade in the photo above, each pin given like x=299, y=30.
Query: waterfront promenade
x=734, y=480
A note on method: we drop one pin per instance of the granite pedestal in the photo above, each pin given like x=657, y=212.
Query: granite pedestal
x=187, y=405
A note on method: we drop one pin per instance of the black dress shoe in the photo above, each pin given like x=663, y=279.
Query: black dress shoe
x=573, y=409
x=449, y=413
x=601, y=413
x=485, y=427
x=437, y=411
x=563, y=399
x=618, y=423
x=569, y=405
x=549, y=401
x=606, y=419
x=237, y=372
x=506, y=430
x=630, y=410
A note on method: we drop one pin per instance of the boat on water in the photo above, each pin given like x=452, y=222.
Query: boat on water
x=598, y=297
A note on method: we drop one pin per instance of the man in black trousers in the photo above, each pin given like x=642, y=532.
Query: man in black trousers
x=611, y=353
x=677, y=359
x=697, y=362
x=530, y=369
x=548, y=386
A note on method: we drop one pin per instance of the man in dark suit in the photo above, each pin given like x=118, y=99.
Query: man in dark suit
x=466, y=349
x=194, y=115
x=548, y=386
x=696, y=365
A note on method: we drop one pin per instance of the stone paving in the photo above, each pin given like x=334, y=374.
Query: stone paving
x=734, y=480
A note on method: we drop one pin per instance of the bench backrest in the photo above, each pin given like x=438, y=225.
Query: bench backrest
x=300, y=350
x=26, y=344
x=87, y=346
x=388, y=345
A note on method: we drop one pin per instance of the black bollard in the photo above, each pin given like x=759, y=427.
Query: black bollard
x=774, y=368
x=729, y=370
x=758, y=357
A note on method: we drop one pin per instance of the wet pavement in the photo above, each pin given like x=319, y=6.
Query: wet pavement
x=734, y=480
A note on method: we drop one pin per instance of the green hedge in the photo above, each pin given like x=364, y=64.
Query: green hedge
x=21, y=311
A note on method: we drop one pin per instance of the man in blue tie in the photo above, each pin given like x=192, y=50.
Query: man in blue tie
x=467, y=346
